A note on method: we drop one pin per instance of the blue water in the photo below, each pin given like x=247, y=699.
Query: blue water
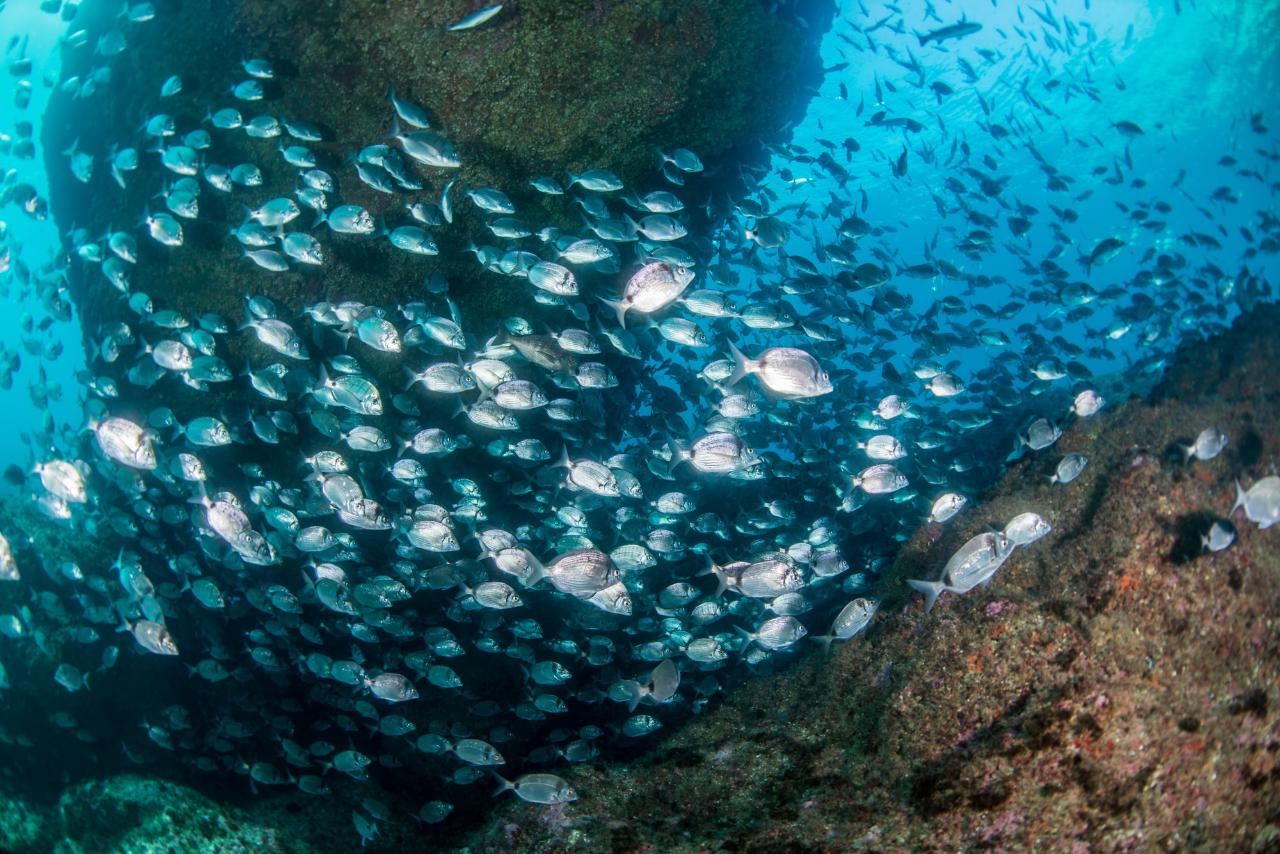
x=1036, y=103
x=1190, y=80
x=39, y=242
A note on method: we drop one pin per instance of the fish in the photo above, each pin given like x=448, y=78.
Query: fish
x=1069, y=468
x=1106, y=251
x=651, y=288
x=957, y=30
x=715, y=453
x=1025, y=528
x=126, y=442
x=787, y=372
x=946, y=506
x=409, y=112
x=63, y=479
x=1261, y=503
x=852, y=620
x=1041, y=433
x=427, y=147
x=547, y=789
x=776, y=633
x=1087, y=403
x=880, y=479
x=595, y=180
x=477, y=18
x=973, y=565
x=8, y=565
x=1210, y=443
x=1219, y=537
x=153, y=637
x=768, y=232
x=382, y=519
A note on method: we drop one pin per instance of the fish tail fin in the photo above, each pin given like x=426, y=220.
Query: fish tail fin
x=722, y=577
x=504, y=785
x=741, y=365
x=563, y=462
x=930, y=589
x=677, y=454
x=824, y=640
x=395, y=127
x=635, y=693
x=539, y=571
x=201, y=496
x=746, y=636
x=124, y=621
x=1240, y=499
x=620, y=307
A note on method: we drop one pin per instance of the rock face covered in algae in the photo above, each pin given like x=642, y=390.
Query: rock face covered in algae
x=547, y=86
x=143, y=815
x=1114, y=688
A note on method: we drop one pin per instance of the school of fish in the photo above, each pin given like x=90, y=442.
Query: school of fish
x=695, y=462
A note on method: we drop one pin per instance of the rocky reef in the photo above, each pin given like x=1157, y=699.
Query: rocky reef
x=149, y=816
x=547, y=86
x=1114, y=688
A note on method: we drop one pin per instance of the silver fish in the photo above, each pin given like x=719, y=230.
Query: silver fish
x=651, y=288
x=475, y=19
x=785, y=371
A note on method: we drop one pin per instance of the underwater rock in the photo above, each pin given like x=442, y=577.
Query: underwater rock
x=546, y=86
x=149, y=816
x=1113, y=686
x=1109, y=689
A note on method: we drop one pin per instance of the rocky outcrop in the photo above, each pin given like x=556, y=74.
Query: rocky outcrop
x=546, y=86
x=1114, y=687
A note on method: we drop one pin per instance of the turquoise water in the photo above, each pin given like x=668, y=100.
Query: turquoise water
x=40, y=241
x=326, y=582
